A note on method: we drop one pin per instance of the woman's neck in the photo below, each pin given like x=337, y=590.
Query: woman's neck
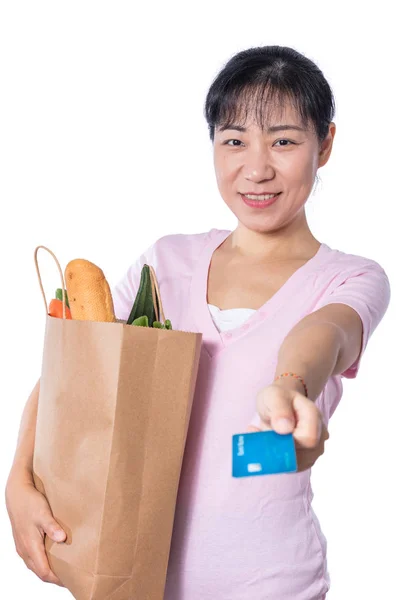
x=294, y=241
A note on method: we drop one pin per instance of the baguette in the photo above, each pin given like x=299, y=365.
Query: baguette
x=88, y=291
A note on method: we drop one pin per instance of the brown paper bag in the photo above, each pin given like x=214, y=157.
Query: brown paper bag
x=113, y=414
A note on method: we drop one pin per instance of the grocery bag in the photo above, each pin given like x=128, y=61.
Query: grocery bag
x=113, y=413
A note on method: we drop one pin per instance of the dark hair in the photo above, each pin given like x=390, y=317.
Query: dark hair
x=255, y=79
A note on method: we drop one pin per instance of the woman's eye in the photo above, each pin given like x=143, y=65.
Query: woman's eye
x=283, y=146
x=227, y=143
x=281, y=143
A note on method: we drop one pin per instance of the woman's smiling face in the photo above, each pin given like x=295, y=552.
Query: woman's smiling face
x=282, y=158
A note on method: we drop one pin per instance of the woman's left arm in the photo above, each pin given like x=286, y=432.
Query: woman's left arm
x=329, y=341
x=324, y=343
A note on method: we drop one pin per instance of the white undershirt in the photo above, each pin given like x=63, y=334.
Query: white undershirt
x=230, y=318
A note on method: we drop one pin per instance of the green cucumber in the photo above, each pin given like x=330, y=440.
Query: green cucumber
x=143, y=307
x=148, y=309
x=143, y=304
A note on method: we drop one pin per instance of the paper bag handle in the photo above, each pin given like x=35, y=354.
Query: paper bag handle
x=40, y=278
x=155, y=290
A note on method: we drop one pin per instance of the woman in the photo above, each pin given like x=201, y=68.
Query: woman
x=283, y=318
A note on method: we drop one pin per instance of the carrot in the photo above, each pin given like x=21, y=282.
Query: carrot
x=56, y=309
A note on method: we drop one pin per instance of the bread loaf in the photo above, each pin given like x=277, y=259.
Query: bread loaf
x=88, y=291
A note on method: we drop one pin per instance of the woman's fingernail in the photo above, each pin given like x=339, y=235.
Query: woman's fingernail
x=59, y=535
x=284, y=425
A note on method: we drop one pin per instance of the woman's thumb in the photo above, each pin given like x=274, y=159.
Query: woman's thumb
x=275, y=405
x=53, y=530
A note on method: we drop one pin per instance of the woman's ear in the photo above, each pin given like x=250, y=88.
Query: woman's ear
x=326, y=146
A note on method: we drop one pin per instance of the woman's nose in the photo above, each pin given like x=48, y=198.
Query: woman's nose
x=258, y=168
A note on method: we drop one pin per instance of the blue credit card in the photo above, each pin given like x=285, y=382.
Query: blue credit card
x=263, y=453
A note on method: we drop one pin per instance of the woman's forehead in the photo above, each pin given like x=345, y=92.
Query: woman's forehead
x=272, y=123
x=251, y=113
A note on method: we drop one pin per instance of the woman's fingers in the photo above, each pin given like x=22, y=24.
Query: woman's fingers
x=45, y=574
x=252, y=429
x=307, y=457
x=31, y=519
x=309, y=422
x=256, y=424
x=51, y=528
x=309, y=431
x=33, y=553
x=288, y=411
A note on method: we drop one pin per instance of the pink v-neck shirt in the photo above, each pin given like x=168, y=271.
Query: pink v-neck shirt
x=255, y=538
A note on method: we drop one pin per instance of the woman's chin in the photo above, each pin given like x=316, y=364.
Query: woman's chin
x=260, y=223
x=265, y=221
x=256, y=225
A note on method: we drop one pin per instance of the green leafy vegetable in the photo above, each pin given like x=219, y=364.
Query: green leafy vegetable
x=59, y=296
x=141, y=321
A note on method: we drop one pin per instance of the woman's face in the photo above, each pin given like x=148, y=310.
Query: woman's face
x=279, y=160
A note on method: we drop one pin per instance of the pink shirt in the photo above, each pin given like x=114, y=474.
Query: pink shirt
x=254, y=538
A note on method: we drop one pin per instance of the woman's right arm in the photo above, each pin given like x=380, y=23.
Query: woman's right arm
x=22, y=466
x=30, y=514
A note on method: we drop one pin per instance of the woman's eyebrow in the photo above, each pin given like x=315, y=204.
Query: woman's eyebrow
x=272, y=129
x=284, y=128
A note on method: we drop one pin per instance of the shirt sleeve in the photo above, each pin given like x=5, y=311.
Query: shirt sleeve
x=367, y=291
x=125, y=291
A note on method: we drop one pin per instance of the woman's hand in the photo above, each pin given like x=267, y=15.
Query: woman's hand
x=288, y=411
x=31, y=518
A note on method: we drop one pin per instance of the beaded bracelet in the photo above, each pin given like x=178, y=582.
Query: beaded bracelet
x=296, y=377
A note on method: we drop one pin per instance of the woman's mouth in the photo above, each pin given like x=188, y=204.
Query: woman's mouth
x=259, y=200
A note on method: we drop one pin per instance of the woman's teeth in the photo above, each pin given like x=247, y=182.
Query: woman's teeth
x=261, y=198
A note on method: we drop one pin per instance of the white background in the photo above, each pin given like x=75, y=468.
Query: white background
x=104, y=148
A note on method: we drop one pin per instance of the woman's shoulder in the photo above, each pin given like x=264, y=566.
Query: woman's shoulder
x=341, y=261
x=345, y=274
x=189, y=242
x=178, y=253
x=182, y=249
